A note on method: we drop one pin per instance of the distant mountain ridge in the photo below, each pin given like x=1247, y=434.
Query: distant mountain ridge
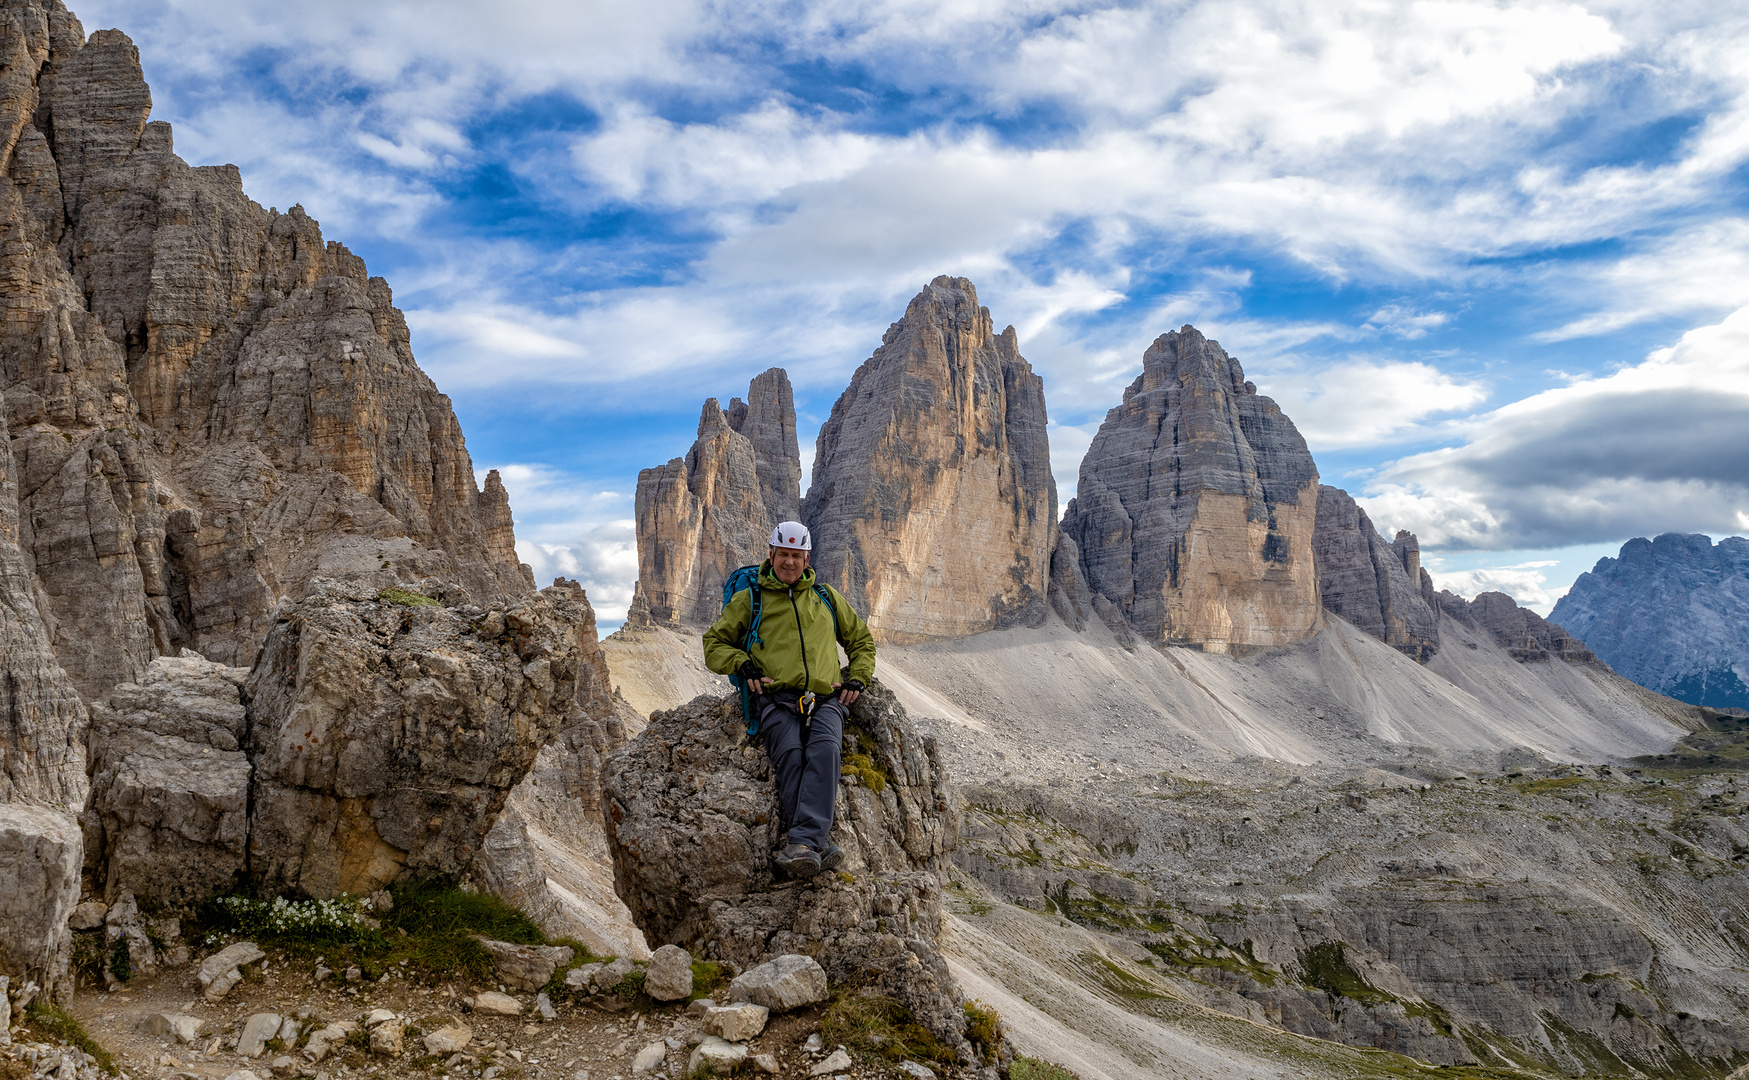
x=1672, y=614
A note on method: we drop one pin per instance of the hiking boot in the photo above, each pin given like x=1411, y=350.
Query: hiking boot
x=798, y=861
x=832, y=858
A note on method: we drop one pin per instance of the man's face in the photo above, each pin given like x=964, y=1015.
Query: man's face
x=788, y=564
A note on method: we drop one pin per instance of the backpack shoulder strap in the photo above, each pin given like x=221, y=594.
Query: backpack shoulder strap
x=826, y=595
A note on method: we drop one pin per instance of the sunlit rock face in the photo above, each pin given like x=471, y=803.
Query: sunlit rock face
x=1197, y=503
x=932, y=502
x=701, y=516
x=205, y=399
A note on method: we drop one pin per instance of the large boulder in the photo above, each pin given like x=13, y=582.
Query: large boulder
x=1195, y=512
x=932, y=503
x=169, y=813
x=386, y=732
x=40, y=852
x=692, y=819
x=1374, y=583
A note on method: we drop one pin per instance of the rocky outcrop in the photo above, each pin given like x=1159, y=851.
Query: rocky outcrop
x=39, y=887
x=169, y=812
x=203, y=396
x=1195, y=512
x=692, y=819
x=932, y=502
x=1375, y=584
x=386, y=733
x=1672, y=614
x=1524, y=634
x=701, y=516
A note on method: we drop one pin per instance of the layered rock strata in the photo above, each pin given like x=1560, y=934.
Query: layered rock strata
x=932, y=502
x=1197, y=503
x=386, y=733
x=692, y=819
x=169, y=813
x=203, y=396
x=39, y=886
x=701, y=516
x=1672, y=614
x=1524, y=634
x=1376, y=584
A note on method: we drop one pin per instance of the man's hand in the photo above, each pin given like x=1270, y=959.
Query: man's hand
x=756, y=680
x=849, y=691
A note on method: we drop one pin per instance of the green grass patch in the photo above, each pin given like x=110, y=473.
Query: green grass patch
x=430, y=929
x=708, y=977
x=407, y=599
x=862, y=758
x=1027, y=1068
x=1326, y=968
x=47, y=1019
x=867, y=773
x=983, y=1027
x=875, y=1026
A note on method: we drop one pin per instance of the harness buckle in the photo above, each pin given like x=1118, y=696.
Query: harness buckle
x=806, y=704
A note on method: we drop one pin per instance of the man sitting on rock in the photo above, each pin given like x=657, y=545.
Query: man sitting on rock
x=801, y=695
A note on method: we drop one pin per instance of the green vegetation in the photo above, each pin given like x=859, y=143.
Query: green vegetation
x=983, y=1027
x=1026, y=1068
x=1326, y=968
x=1722, y=747
x=868, y=768
x=1119, y=981
x=430, y=930
x=875, y=1026
x=867, y=773
x=121, y=960
x=47, y=1019
x=407, y=599
x=707, y=978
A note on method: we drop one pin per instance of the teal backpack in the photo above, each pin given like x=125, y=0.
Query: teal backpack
x=747, y=577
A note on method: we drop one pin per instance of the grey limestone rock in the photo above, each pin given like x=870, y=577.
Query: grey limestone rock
x=787, y=982
x=202, y=394
x=1525, y=635
x=168, y=816
x=386, y=736
x=692, y=819
x=1370, y=581
x=932, y=503
x=701, y=516
x=1196, y=506
x=1670, y=613
x=669, y=976
x=526, y=967
x=40, y=855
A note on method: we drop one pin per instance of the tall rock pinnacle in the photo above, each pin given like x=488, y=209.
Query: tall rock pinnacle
x=932, y=502
x=1196, y=505
x=1375, y=584
x=208, y=404
x=701, y=516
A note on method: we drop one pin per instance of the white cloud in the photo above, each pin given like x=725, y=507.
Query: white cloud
x=1364, y=402
x=567, y=528
x=1655, y=447
x=1525, y=582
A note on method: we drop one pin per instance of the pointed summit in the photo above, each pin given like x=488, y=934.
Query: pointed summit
x=1196, y=506
x=932, y=502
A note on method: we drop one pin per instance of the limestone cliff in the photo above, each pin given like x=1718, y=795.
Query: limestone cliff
x=1375, y=584
x=203, y=396
x=703, y=515
x=1523, y=633
x=1196, y=507
x=932, y=502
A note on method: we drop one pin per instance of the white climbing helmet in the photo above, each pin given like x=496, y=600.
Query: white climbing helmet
x=792, y=534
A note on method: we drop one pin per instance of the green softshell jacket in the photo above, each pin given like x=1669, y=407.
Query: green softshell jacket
x=789, y=616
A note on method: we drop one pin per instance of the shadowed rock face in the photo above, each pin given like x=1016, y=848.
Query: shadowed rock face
x=701, y=516
x=692, y=818
x=932, y=502
x=1672, y=614
x=1523, y=633
x=203, y=396
x=1375, y=584
x=1196, y=506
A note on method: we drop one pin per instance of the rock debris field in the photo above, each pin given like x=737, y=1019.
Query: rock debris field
x=283, y=1020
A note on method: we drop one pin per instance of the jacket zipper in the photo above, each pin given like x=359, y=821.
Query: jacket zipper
x=807, y=680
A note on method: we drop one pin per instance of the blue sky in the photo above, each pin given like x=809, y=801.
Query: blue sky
x=1492, y=258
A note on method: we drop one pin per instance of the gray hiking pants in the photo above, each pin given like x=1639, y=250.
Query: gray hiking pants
x=806, y=767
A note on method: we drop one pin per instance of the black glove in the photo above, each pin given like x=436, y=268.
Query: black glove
x=749, y=670
x=854, y=685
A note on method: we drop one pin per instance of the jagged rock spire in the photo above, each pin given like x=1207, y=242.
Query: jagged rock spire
x=1375, y=584
x=1196, y=505
x=701, y=516
x=932, y=502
